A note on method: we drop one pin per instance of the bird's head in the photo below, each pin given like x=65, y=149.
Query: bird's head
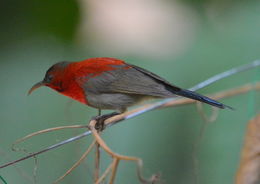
x=53, y=77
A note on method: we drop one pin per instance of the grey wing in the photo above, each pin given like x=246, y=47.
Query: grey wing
x=157, y=78
x=111, y=89
x=132, y=80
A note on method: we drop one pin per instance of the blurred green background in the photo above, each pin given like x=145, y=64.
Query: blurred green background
x=183, y=41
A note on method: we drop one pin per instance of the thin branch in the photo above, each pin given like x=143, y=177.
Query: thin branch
x=207, y=119
x=47, y=149
x=97, y=162
x=195, y=148
x=21, y=172
x=45, y=131
x=85, y=154
x=118, y=157
x=164, y=103
x=97, y=157
x=226, y=74
x=103, y=144
x=114, y=170
x=38, y=133
x=104, y=175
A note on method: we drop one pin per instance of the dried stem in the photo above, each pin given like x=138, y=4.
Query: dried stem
x=97, y=157
x=20, y=171
x=206, y=121
x=226, y=74
x=45, y=131
x=114, y=169
x=104, y=175
x=47, y=149
x=204, y=116
x=97, y=162
x=118, y=157
x=85, y=154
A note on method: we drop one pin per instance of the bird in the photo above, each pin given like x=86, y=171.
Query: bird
x=113, y=84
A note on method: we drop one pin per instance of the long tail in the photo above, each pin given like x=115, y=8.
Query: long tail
x=201, y=98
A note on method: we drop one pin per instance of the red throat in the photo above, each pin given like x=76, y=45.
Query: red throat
x=75, y=92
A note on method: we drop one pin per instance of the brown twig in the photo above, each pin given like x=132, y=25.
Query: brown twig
x=20, y=171
x=104, y=175
x=118, y=157
x=45, y=131
x=97, y=156
x=85, y=154
x=97, y=162
x=114, y=170
x=206, y=120
x=38, y=133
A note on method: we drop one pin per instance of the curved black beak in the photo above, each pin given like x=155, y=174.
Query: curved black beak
x=35, y=86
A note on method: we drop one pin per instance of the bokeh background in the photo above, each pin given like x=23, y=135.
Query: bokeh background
x=183, y=41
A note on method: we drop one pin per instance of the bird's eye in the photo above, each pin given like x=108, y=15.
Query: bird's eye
x=48, y=78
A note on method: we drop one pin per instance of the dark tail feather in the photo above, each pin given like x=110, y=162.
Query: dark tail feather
x=201, y=98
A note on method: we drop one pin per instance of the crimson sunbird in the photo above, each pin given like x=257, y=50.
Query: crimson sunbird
x=109, y=83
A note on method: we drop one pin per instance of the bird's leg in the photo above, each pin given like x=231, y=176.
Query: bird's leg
x=101, y=119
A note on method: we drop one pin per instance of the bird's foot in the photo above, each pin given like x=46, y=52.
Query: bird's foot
x=100, y=125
